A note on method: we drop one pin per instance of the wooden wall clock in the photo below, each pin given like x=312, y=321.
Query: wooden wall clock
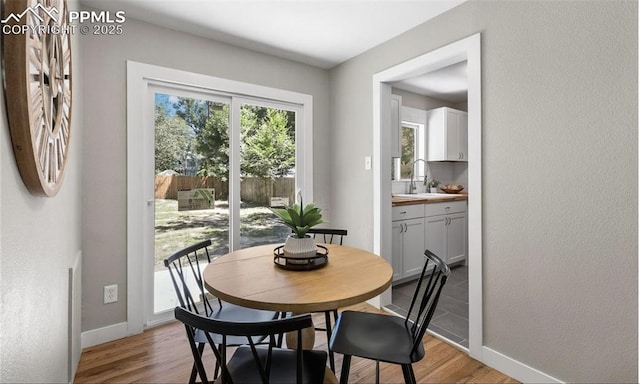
x=37, y=77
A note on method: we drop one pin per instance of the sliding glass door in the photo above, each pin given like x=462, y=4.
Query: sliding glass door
x=220, y=163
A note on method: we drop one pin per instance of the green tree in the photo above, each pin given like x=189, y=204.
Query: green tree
x=268, y=148
x=172, y=140
x=267, y=138
x=408, y=151
x=210, y=124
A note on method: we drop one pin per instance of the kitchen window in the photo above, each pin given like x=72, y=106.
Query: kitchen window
x=412, y=148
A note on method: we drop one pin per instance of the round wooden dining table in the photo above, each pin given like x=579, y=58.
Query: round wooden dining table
x=250, y=278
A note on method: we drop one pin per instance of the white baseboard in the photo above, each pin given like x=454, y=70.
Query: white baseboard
x=74, y=314
x=514, y=368
x=105, y=334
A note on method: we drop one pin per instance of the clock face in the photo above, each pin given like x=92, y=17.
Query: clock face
x=38, y=91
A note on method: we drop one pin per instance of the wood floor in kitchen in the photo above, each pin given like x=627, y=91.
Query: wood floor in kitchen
x=451, y=319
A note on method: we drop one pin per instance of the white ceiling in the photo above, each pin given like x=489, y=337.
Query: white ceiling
x=448, y=83
x=320, y=33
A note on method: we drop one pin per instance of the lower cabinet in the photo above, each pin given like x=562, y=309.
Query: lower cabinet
x=407, y=242
x=438, y=227
x=457, y=238
x=446, y=230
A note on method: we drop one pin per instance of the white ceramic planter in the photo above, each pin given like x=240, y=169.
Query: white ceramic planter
x=300, y=248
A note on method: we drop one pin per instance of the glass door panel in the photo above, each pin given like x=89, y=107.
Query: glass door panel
x=267, y=171
x=191, y=180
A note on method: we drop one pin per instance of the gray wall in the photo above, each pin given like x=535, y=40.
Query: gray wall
x=560, y=166
x=39, y=241
x=104, y=185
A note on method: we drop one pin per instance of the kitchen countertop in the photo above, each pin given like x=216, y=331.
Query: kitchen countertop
x=422, y=198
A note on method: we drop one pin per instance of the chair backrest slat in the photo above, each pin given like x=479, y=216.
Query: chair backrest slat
x=426, y=299
x=185, y=269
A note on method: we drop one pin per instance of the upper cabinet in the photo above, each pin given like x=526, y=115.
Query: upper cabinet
x=396, y=142
x=447, y=134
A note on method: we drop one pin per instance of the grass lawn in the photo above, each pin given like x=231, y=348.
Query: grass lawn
x=176, y=230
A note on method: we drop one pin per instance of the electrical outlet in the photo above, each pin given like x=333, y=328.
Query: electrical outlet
x=110, y=293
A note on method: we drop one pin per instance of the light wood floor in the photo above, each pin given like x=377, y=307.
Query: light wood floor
x=162, y=355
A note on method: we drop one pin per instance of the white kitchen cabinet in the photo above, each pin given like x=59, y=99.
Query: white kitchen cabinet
x=397, y=228
x=412, y=247
x=435, y=235
x=457, y=237
x=447, y=134
x=407, y=240
x=446, y=230
x=396, y=132
x=438, y=227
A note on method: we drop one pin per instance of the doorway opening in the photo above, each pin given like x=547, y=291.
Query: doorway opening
x=464, y=50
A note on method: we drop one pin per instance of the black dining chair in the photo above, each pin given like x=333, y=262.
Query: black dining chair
x=392, y=339
x=251, y=363
x=185, y=268
x=328, y=236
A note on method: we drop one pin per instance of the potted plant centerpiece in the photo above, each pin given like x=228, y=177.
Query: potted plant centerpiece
x=300, y=219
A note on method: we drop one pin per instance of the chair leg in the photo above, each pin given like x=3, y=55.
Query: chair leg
x=407, y=372
x=194, y=373
x=346, y=364
x=327, y=320
x=377, y=371
x=217, y=370
x=199, y=366
x=194, y=369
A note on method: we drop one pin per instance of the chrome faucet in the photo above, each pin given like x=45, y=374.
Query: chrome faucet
x=412, y=184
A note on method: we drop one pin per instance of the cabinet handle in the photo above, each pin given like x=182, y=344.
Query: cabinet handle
x=403, y=212
x=406, y=227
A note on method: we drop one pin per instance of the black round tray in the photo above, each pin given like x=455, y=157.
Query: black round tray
x=301, y=264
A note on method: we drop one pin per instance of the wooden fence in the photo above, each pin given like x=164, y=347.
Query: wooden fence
x=252, y=189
